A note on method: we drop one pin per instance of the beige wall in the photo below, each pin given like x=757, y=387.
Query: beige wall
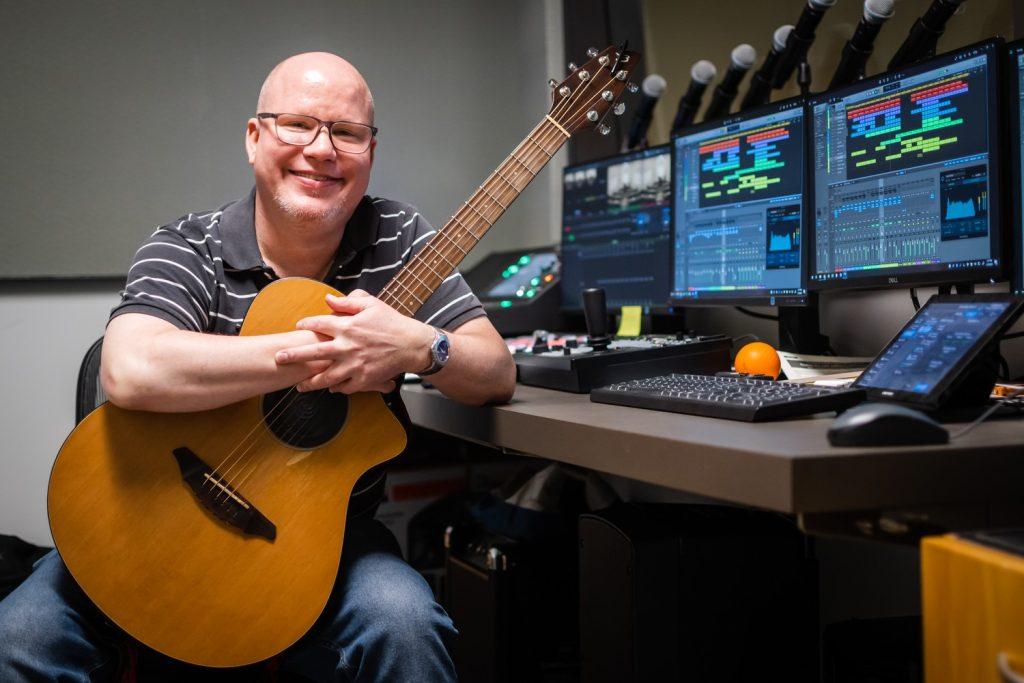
x=681, y=32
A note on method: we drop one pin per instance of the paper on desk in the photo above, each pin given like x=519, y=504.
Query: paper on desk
x=799, y=366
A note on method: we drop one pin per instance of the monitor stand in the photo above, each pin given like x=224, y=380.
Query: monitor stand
x=800, y=328
x=962, y=288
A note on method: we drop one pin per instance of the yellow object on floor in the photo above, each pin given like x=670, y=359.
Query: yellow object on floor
x=973, y=602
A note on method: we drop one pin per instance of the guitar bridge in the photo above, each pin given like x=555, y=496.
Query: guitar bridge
x=220, y=498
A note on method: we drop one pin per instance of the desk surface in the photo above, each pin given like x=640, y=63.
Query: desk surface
x=784, y=466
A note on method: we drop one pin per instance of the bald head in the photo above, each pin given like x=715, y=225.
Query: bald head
x=314, y=72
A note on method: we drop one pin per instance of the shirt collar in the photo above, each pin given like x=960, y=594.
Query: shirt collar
x=241, y=251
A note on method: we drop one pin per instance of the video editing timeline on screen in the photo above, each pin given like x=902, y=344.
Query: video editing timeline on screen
x=617, y=229
x=738, y=189
x=902, y=173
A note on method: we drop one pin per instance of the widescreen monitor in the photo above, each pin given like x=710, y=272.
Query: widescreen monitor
x=905, y=175
x=739, y=186
x=1015, y=184
x=616, y=226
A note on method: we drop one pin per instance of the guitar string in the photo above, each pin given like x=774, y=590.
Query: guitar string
x=546, y=137
x=532, y=158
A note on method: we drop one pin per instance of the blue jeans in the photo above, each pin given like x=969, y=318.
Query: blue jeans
x=381, y=623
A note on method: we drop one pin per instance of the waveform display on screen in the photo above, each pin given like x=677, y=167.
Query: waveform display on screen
x=754, y=164
x=934, y=121
x=724, y=252
x=783, y=229
x=780, y=242
x=964, y=195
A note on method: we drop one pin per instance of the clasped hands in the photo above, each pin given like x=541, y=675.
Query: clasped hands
x=364, y=344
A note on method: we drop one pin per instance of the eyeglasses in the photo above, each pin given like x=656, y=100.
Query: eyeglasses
x=297, y=129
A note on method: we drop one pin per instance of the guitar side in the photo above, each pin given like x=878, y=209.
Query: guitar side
x=166, y=570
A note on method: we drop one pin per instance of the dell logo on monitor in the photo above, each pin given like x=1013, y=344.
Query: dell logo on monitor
x=894, y=280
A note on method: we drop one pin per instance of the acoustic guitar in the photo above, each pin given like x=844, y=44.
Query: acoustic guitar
x=215, y=537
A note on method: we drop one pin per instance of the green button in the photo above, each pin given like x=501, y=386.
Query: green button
x=506, y=303
x=523, y=260
x=505, y=274
x=513, y=269
x=535, y=281
x=530, y=293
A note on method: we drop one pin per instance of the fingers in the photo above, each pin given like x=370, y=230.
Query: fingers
x=351, y=304
x=303, y=354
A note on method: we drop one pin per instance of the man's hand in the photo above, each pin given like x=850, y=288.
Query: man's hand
x=367, y=342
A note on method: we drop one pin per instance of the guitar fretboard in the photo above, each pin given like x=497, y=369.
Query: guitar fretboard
x=446, y=249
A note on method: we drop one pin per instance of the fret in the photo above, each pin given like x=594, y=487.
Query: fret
x=425, y=285
x=440, y=255
x=451, y=240
x=537, y=145
x=503, y=207
x=462, y=225
x=436, y=274
x=482, y=217
x=507, y=182
x=532, y=174
x=408, y=290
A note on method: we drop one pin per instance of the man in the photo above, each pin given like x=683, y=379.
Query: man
x=171, y=346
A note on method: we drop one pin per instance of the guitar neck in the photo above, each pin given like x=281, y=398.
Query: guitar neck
x=446, y=249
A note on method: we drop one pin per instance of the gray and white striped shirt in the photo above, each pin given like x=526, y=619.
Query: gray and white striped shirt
x=202, y=272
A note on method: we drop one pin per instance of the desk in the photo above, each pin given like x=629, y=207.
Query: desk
x=785, y=466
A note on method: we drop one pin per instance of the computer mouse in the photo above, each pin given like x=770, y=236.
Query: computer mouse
x=885, y=424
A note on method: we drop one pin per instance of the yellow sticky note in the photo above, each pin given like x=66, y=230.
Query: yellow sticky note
x=629, y=321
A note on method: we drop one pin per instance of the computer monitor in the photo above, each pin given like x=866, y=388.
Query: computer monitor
x=739, y=186
x=905, y=175
x=616, y=227
x=1015, y=109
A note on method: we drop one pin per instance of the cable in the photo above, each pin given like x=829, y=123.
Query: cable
x=984, y=416
x=914, y=299
x=754, y=314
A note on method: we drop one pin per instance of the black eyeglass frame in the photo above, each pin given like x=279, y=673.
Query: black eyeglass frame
x=321, y=125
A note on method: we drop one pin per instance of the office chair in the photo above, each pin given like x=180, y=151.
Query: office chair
x=89, y=394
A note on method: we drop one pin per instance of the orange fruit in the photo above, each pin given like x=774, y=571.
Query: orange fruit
x=758, y=358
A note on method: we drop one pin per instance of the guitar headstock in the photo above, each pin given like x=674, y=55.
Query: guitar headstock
x=590, y=91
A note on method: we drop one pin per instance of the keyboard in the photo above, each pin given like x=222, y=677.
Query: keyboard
x=732, y=398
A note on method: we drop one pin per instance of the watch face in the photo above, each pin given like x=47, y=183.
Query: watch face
x=442, y=349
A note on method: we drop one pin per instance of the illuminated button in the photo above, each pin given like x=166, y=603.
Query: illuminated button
x=513, y=269
x=505, y=274
x=506, y=303
x=523, y=260
x=530, y=293
x=549, y=277
x=535, y=281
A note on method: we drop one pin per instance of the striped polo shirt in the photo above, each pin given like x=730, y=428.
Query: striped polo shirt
x=202, y=271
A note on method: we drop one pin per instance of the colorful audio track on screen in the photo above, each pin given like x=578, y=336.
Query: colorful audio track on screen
x=902, y=174
x=740, y=167
x=738, y=210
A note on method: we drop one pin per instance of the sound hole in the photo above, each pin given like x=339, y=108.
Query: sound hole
x=307, y=419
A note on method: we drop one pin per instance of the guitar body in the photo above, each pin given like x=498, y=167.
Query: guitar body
x=208, y=536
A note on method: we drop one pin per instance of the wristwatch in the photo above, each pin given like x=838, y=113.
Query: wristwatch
x=440, y=351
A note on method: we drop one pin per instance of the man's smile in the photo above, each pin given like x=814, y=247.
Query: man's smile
x=314, y=180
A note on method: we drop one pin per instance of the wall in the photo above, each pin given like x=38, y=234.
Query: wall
x=458, y=84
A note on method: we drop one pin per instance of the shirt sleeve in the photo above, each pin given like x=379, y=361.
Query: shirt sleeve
x=453, y=303
x=171, y=280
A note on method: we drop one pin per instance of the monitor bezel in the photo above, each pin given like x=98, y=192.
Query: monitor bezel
x=659, y=308
x=717, y=301
x=996, y=273
x=1014, y=253
x=934, y=398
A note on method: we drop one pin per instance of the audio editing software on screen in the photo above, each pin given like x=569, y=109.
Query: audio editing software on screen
x=903, y=173
x=739, y=194
x=616, y=217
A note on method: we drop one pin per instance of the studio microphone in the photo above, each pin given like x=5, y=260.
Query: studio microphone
x=701, y=74
x=860, y=45
x=800, y=39
x=760, y=89
x=651, y=88
x=925, y=33
x=742, y=58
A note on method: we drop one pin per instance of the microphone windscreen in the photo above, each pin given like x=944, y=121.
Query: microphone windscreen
x=877, y=11
x=821, y=5
x=654, y=85
x=780, y=37
x=743, y=56
x=703, y=71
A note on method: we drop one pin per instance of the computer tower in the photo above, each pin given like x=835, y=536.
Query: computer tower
x=695, y=593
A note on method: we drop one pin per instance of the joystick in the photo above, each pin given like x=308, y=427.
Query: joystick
x=596, y=315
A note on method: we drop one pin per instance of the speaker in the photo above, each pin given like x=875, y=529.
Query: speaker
x=695, y=592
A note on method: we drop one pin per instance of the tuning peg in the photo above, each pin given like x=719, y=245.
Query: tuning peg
x=632, y=87
x=552, y=83
x=603, y=129
x=572, y=67
x=591, y=52
x=621, y=74
x=564, y=91
x=583, y=74
x=592, y=115
x=603, y=61
x=619, y=108
x=608, y=95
